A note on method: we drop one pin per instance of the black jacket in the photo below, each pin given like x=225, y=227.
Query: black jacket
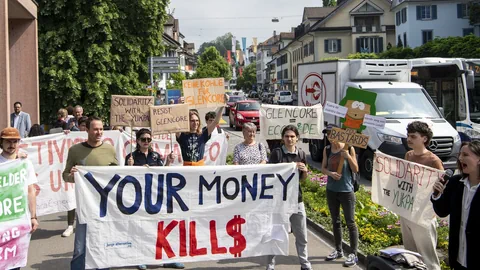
x=139, y=159
x=451, y=203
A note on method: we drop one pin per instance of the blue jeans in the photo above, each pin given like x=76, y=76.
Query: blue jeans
x=78, y=260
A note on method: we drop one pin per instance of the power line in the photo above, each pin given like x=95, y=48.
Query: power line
x=238, y=18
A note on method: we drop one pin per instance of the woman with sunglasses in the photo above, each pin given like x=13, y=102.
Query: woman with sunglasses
x=144, y=154
x=459, y=197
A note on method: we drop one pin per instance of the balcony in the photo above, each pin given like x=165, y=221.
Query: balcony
x=368, y=28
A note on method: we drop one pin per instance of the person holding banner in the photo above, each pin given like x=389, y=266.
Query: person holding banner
x=192, y=144
x=289, y=152
x=93, y=152
x=459, y=198
x=415, y=237
x=145, y=156
x=9, y=141
x=249, y=151
x=340, y=192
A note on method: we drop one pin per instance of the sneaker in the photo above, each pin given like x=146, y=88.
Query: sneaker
x=351, y=260
x=68, y=231
x=142, y=267
x=334, y=255
x=174, y=265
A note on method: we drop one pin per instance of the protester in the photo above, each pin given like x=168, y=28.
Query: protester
x=119, y=128
x=9, y=141
x=458, y=197
x=70, y=111
x=145, y=156
x=172, y=101
x=209, y=118
x=93, y=152
x=340, y=192
x=249, y=151
x=289, y=152
x=192, y=144
x=82, y=123
x=73, y=123
x=158, y=99
x=36, y=130
x=415, y=237
x=61, y=120
x=20, y=120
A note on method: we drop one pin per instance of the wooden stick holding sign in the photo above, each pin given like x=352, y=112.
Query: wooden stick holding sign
x=358, y=104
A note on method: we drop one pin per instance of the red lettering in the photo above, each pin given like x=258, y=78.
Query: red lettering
x=409, y=171
x=416, y=172
x=194, y=251
x=50, y=152
x=59, y=151
x=214, y=241
x=176, y=151
x=380, y=164
x=183, y=239
x=39, y=150
x=52, y=181
x=400, y=163
x=162, y=242
x=210, y=151
x=430, y=176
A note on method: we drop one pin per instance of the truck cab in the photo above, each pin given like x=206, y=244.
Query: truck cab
x=398, y=100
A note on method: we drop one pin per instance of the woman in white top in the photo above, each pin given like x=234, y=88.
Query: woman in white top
x=249, y=151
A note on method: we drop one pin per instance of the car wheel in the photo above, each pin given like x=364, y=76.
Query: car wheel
x=366, y=164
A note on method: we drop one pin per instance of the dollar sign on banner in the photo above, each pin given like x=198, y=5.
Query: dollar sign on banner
x=234, y=229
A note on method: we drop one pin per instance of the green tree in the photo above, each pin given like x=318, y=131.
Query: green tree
x=329, y=3
x=89, y=50
x=221, y=43
x=212, y=65
x=474, y=12
x=175, y=81
x=248, y=78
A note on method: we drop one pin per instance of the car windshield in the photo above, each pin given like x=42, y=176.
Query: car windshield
x=235, y=98
x=474, y=94
x=285, y=94
x=411, y=103
x=248, y=106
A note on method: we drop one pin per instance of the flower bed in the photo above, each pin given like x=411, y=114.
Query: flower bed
x=378, y=228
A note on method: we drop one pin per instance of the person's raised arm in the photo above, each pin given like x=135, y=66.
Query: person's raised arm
x=211, y=127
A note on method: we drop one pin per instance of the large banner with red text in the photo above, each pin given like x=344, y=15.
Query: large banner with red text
x=156, y=215
x=49, y=153
x=404, y=187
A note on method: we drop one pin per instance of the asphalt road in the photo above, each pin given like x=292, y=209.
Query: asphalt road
x=48, y=250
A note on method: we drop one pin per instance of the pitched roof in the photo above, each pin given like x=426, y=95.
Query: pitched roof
x=316, y=12
x=287, y=35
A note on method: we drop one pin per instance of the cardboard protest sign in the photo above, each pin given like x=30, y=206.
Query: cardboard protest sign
x=49, y=153
x=349, y=137
x=168, y=119
x=15, y=222
x=155, y=216
x=308, y=120
x=128, y=110
x=204, y=93
x=335, y=109
x=404, y=187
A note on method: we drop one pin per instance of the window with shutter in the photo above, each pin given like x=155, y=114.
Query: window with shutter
x=462, y=11
x=426, y=12
x=427, y=35
x=332, y=45
x=311, y=48
x=326, y=45
x=397, y=18
x=405, y=44
x=404, y=15
x=339, y=45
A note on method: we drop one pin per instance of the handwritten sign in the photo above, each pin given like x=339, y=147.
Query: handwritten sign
x=15, y=223
x=349, y=137
x=404, y=187
x=374, y=121
x=158, y=215
x=169, y=119
x=308, y=120
x=204, y=93
x=127, y=109
x=335, y=109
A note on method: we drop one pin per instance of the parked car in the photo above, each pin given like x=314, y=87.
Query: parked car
x=283, y=98
x=245, y=111
x=231, y=102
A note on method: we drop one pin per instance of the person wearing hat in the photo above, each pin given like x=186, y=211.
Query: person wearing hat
x=9, y=141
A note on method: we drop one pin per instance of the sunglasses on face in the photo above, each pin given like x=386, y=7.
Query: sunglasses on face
x=145, y=139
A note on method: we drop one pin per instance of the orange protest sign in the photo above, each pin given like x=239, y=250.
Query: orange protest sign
x=204, y=93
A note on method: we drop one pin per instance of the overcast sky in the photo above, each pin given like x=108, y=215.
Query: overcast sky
x=204, y=20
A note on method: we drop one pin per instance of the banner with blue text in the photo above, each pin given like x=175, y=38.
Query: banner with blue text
x=158, y=215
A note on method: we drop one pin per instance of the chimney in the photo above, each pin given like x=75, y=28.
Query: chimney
x=274, y=33
x=293, y=30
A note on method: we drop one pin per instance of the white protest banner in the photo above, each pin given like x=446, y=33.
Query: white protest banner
x=335, y=109
x=48, y=155
x=404, y=187
x=15, y=224
x=204, y=93
x=308, y=120
x=374, y=121
x=158, y=215
x=125, y=110
x=169, y=119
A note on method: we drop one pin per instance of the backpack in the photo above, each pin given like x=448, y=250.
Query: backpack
x=355, y=176
x=301, y=154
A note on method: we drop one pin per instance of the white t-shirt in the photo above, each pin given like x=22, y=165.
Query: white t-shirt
x=31, y=172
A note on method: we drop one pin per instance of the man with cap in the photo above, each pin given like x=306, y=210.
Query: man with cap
x=9, y=141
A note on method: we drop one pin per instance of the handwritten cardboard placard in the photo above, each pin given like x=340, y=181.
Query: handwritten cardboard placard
x=125, y=110
x=335, y=109
x=169, y=119
x=204, y=93
x=349, y=137
x=404, y=187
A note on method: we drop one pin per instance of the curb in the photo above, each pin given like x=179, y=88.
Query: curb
x=362, y=258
